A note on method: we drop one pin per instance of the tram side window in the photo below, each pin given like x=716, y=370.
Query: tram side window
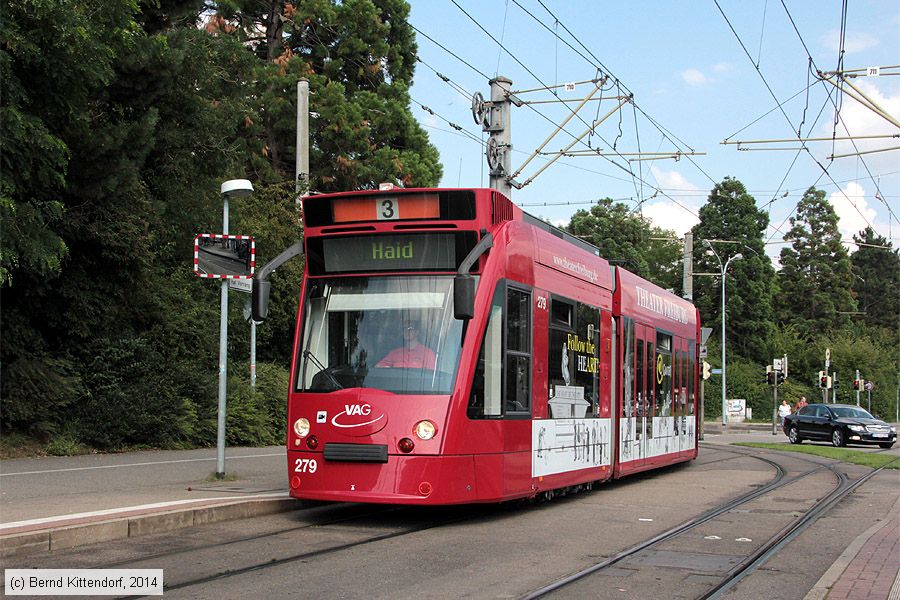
x=628, y=362
x=640, y=395
x=664, y=373
x=692, y=372
x=518, y=351
x=573, y=361
x=487, y=390
x=650, y=396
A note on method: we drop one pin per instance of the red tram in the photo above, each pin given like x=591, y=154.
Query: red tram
x=451, y=348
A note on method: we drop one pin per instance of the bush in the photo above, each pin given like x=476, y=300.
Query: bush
x=258, y=417
x=37, y=394
x=133, y=399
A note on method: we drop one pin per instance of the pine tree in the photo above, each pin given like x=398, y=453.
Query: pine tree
x=876, y=279
x=734, y=225
x=815, y=278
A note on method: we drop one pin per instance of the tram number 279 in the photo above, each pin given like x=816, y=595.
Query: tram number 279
x=305, y=465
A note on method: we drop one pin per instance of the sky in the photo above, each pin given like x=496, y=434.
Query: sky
x=695, y=83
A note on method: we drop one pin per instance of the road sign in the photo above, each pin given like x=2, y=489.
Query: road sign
x=776, y=364
x=703, y=352
x=870, y=386
x=704, y=335
x=241, y=285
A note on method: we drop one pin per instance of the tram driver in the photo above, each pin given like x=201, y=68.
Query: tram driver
x=413, y=354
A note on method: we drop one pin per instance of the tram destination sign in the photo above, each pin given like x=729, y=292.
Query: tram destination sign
x=414, y=252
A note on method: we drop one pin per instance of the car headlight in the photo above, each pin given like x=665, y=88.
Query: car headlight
x=301, y=427
x=893, y=430
x=856, y=428
x=425, y=430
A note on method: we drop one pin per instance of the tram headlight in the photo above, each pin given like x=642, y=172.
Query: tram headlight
x=425, y=430
x=301, y=427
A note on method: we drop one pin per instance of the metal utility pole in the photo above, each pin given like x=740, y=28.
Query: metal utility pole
x=723, y=269
x=234, y=187
x=301, y=170
x=223, y=359
x=688, y=281
x=834, y=387
x=499, y=146
x=775, y=403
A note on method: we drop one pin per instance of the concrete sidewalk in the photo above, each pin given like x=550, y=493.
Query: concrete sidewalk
x=61, y=502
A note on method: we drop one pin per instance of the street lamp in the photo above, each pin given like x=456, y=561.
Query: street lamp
x=233, y=188
x=722, y=268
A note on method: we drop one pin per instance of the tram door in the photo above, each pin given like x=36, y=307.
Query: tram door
x=645, y=368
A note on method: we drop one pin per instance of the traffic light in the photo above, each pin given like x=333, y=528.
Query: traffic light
x=856, y=384
x=770, y=378
x=823, y=380
x=706, y=370
x=834, y=382
x=780, y=377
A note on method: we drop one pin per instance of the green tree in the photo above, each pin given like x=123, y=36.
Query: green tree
x=628, y=240
x=815, y=278
x=732, y=224
x=876, y=279
x=358, y=56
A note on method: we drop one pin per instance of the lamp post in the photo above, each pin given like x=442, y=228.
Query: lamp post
x=233, y=188
x=723, y=269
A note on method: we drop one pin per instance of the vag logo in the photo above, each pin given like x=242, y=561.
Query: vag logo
x=361, y=411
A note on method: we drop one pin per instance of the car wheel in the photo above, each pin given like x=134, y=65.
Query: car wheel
x=837, y=438
x=794, y=435
x=887, y=444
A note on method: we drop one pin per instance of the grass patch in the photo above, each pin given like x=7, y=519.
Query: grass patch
x=214, y=477
x=17, y=445
x=65, y=445
x=856, y=457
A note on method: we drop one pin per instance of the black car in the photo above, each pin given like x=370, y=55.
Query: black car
x=839, y=423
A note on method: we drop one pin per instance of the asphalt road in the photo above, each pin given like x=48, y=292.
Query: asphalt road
x=506, y=551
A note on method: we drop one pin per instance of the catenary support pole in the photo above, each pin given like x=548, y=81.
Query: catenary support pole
x=688, y=281
x=301, y=170
x=501, y=134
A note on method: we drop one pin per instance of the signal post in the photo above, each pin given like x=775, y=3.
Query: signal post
x=776, y=373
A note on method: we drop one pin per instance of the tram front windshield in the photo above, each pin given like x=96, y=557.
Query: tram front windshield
x=391, y=333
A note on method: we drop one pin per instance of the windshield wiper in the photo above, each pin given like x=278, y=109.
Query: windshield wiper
x=328, y=374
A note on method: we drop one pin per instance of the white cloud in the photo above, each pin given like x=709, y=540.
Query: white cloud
x=858, y=120
x=694, y=77
x=852, y=209
x=665, y=212
x=854, y=41
x=722, y=67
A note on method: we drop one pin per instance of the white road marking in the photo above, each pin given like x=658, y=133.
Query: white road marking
x=140, y=464
x=114, y=511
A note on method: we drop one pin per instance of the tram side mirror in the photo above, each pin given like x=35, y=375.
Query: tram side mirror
x=259, y=306
x=463, y=297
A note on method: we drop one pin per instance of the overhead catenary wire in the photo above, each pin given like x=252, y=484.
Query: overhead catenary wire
x=787, y=118
x=878, y=194
x=597, y=63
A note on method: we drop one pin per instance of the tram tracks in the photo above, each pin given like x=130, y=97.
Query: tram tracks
x=402, y=514
x=841, y=489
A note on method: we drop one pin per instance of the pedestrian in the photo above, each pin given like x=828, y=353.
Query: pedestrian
x=783, y=411
x=800, y=404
